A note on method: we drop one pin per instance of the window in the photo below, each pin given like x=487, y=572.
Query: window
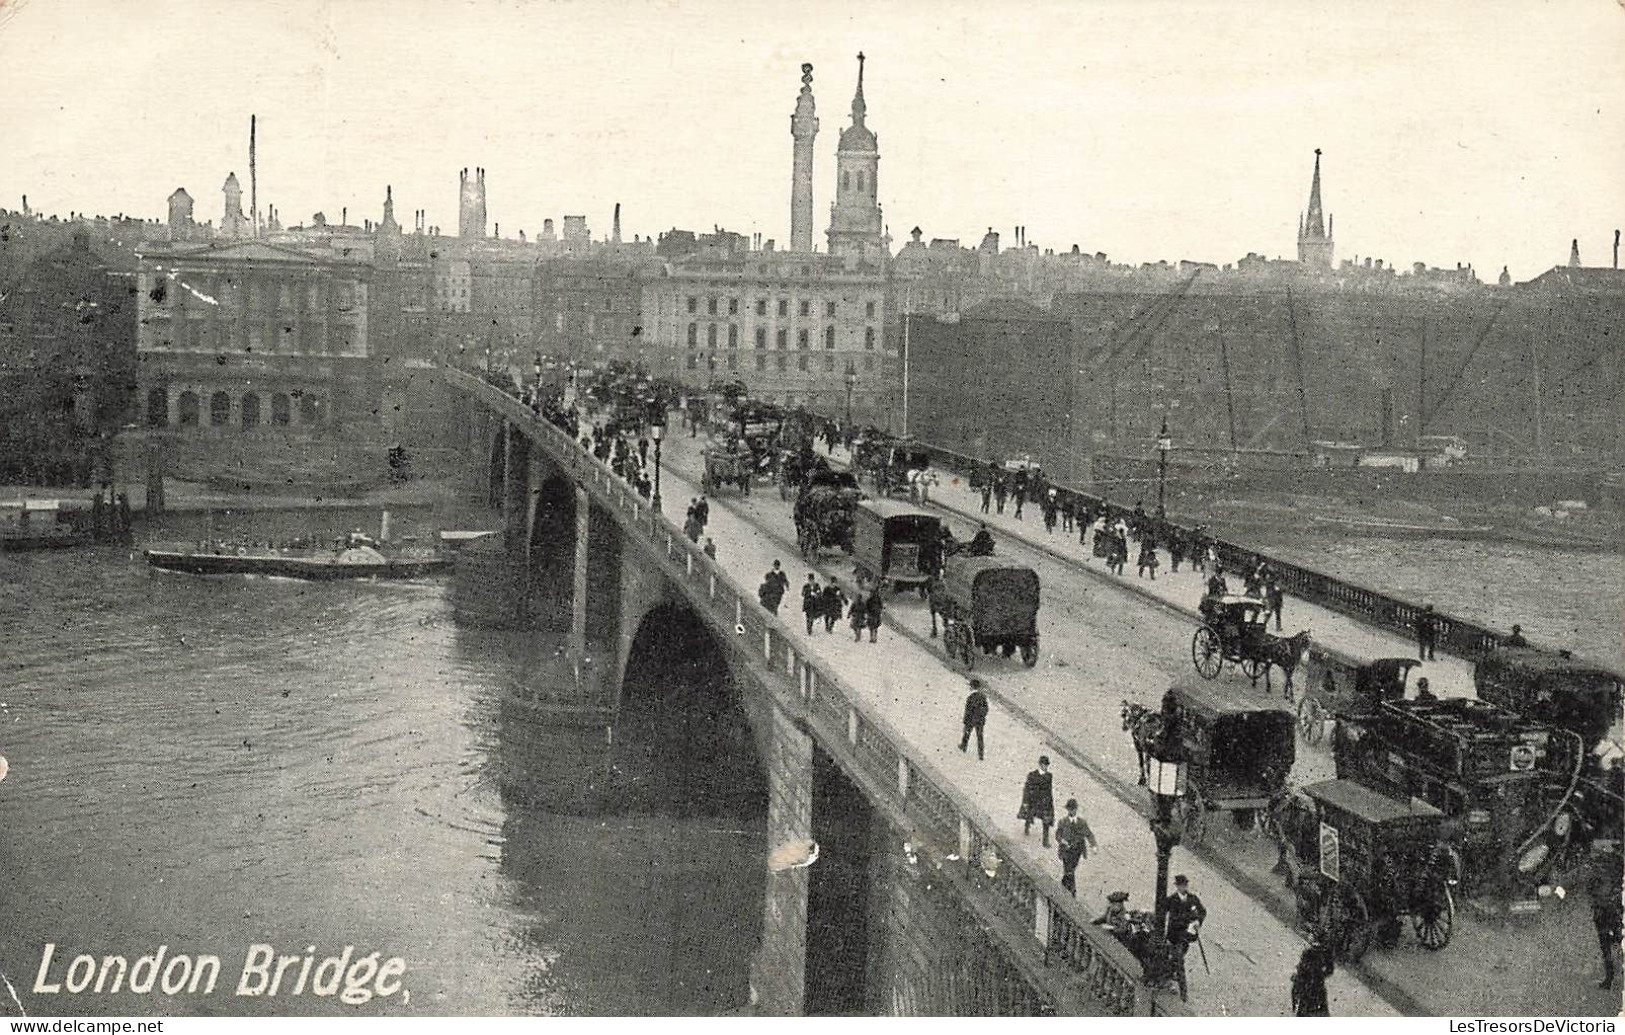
x=189, y=409
x=829, y=310
x=733, y=307
x=868, y=362
x=251, y=411
x=733, y=335
x=869, y=311
x=860, y=179
x=281, y=414
x=711, y=334
x=761, y=307
x=784, y=307
x=711, y=306
x=761, y=337
x=806, y=308
x=801, y=338
x=693, y=304
x=846, y=180
x=784, y=363
x=829, y=337
x=693, y=335
x=829, y=363
x=801, y=362
x=783, y=338
x=693, y=361
x=733, y=361
x=219, y=408
x=761, y=362
x=868, y=337
x=157, y=408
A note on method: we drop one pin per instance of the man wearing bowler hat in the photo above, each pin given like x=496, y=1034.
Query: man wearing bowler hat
x=1185, y=914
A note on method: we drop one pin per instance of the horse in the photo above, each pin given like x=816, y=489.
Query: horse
x=1285, y=654
x=1145, y=727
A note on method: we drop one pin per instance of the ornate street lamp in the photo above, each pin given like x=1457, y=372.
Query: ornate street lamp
x=1165, y=445
x=851, y=383
x=1166, y=781
x=657, y=431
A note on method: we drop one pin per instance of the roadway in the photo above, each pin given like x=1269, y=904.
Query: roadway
x=1100, y=644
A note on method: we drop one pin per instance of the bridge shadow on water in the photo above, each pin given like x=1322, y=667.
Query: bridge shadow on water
x=639, y=850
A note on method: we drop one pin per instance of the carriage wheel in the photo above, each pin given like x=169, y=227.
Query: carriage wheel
x=1029, y=654
x=1206, y=653
x=1435, y=915
x=1311, y=721
x=1346, y=919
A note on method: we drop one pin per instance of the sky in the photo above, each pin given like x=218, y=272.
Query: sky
x=1479, y=132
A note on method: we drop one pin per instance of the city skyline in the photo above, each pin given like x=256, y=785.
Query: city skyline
x=1084, y=134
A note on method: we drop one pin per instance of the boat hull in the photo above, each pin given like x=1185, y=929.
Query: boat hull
x=310, y=568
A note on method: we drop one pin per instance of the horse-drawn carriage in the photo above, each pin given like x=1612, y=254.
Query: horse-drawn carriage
x=728, y=466
x=1384, y=679
x=986, y=603
x=895, y=544
x=1359, y=861
x=1235, y=629
x=823, y=511
x=1237, y=754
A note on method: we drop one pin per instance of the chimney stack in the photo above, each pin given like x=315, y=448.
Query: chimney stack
x=616, y=234
x=1616, y=249
x=253, y=177
x=1574, y=252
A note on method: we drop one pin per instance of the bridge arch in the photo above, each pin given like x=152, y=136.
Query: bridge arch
x=552, y=551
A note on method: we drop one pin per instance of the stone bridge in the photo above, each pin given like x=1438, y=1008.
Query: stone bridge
x=915, y=904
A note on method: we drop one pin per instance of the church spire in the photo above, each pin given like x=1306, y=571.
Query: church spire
x=859, y=109
x=1315, y=225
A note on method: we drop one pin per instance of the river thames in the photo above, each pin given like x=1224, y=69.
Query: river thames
x=210, y=765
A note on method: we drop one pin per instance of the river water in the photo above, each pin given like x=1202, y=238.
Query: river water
x=208, y=765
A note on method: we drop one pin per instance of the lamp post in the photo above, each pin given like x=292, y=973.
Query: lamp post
x=851, y=383
x=1166, y=781
x=657, y=431
x=1165, y=444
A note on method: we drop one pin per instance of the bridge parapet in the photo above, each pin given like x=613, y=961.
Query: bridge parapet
x=1023, y=907
x=1459, y=636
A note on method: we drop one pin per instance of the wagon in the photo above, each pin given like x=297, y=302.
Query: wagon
x=895, y=544
x=1235, y=629
x=1381, y=680
x=823, y=512
x=986, y=603
x=1237, y=754
x=1359, y=861
x=724, y=466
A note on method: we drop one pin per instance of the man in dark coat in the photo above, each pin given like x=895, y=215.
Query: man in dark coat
x=1309, y=982
x=975, y=717
x=873, y=605
x=1185, y=914
x=770, y=593
x=1426, y=633
x=834, y=604
x=1038, y=799
x=981, y=544
x=1001, y=492
x=1073, y=839
x=812, y=600
x=1516, y=639
x=1603, y=883
x=987, y=494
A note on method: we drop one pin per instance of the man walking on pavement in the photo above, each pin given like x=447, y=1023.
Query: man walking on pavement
x=1185, y=914
x=1274, y=598
x=1309, y=981
x=770, y=592
x=987, y=494
x=1038, y=799
x=1073, y=839
x=1426, y=632
x=812, y=600
x=975, y=717
x=1603, y=881
x=1000, y=492
x=834, y=605
x=872, y=608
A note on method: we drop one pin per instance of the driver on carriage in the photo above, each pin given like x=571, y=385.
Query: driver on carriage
x=981, y=545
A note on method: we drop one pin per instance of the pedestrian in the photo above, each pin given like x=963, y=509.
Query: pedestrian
x=812, y=600
x=692, y=528
x=1603, y=881
x=834, y=603
x=1176, y=550
x=1216, y=584
x=1069, y=513
x=770, y=593
x=975, y=717
x=1309, y=981
x=710, y=548
x=702, y=510
x=1021, y=495
x=1119, y=552
x=987, y=495
x=1148, y=558
x=777, y=574
x=1073, y=839
x=1185, y=914
x=872, y=609
x=857, y=614
x=1426, y=633
x=1274, y=600
x=1038, y=799
x=1515, y=640
x=1001, y=492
